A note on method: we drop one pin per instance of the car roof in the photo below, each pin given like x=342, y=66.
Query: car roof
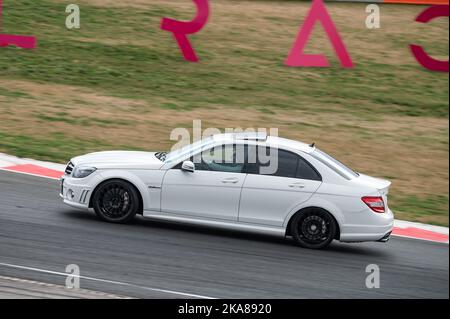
x=263, y=138
x=287, y=143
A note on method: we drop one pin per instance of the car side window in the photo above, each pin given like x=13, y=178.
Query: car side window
x=276, y=162
x=306, y=171
x=281, y=163
x=224, y=158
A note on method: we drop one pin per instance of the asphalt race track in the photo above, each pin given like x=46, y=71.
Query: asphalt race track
x=151, y=259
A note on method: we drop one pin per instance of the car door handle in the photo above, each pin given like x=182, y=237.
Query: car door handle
x=297, y=185
x=230, y=180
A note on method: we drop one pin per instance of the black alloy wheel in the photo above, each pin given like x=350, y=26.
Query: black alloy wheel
x=313, y=228
x=116, y=201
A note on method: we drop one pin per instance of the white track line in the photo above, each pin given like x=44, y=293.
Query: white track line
x=106, y=281
x=47, y=285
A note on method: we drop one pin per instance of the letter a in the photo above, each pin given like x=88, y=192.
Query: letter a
x=296, y=57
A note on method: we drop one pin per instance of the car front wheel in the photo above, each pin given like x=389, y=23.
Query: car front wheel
x=313, y=228
x=116, y=201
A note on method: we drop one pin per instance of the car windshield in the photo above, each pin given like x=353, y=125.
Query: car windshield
x=188, y=150
x=334, y=163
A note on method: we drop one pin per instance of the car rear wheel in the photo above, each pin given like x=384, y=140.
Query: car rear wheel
x=116, y=201
x=313, y=228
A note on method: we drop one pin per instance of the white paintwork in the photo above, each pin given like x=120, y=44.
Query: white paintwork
x=266, y=199
x=193, y=194
x=240, y=201
x=119, y=159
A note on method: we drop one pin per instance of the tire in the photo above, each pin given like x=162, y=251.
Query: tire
x=313, y=228
x=116, y=201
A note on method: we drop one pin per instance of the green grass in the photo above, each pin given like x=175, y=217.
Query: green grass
x=154, y=68
x=416, y=208
x=13, y=94
x=82, y=121
x=58, y=147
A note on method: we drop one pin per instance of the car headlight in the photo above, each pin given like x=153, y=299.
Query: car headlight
x=82, y=172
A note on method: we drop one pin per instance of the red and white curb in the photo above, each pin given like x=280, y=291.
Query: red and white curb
x=31, y=167
x=420, y=231
x=55, y=171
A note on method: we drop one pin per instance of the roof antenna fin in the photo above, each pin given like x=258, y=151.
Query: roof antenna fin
x=312, y=145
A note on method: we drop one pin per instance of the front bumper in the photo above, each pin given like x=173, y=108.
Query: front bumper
x=75, y=193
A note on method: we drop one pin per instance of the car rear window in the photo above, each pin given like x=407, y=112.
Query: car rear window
x=334, y=164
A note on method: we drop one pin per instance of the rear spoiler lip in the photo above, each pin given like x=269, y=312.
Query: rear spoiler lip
x=380, y=184
x=387, y=186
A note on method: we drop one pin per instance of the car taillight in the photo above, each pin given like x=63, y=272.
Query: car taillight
x=375, y=203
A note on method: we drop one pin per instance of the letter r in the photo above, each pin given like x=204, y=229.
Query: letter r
x=181, y=29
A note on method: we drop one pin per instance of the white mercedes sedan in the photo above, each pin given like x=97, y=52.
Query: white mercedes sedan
x=248, y=182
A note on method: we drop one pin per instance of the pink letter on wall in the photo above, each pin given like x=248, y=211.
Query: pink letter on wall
x=419, y=53
x=23, y=42
x=181, y=29
x=296, y=57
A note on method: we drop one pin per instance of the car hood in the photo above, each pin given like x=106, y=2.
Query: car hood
x=119, y=159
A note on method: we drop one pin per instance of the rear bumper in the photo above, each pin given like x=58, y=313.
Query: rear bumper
x=386, y=238
x=379, y=229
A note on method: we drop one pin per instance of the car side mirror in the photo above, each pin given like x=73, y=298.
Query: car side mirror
x=188, y=166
